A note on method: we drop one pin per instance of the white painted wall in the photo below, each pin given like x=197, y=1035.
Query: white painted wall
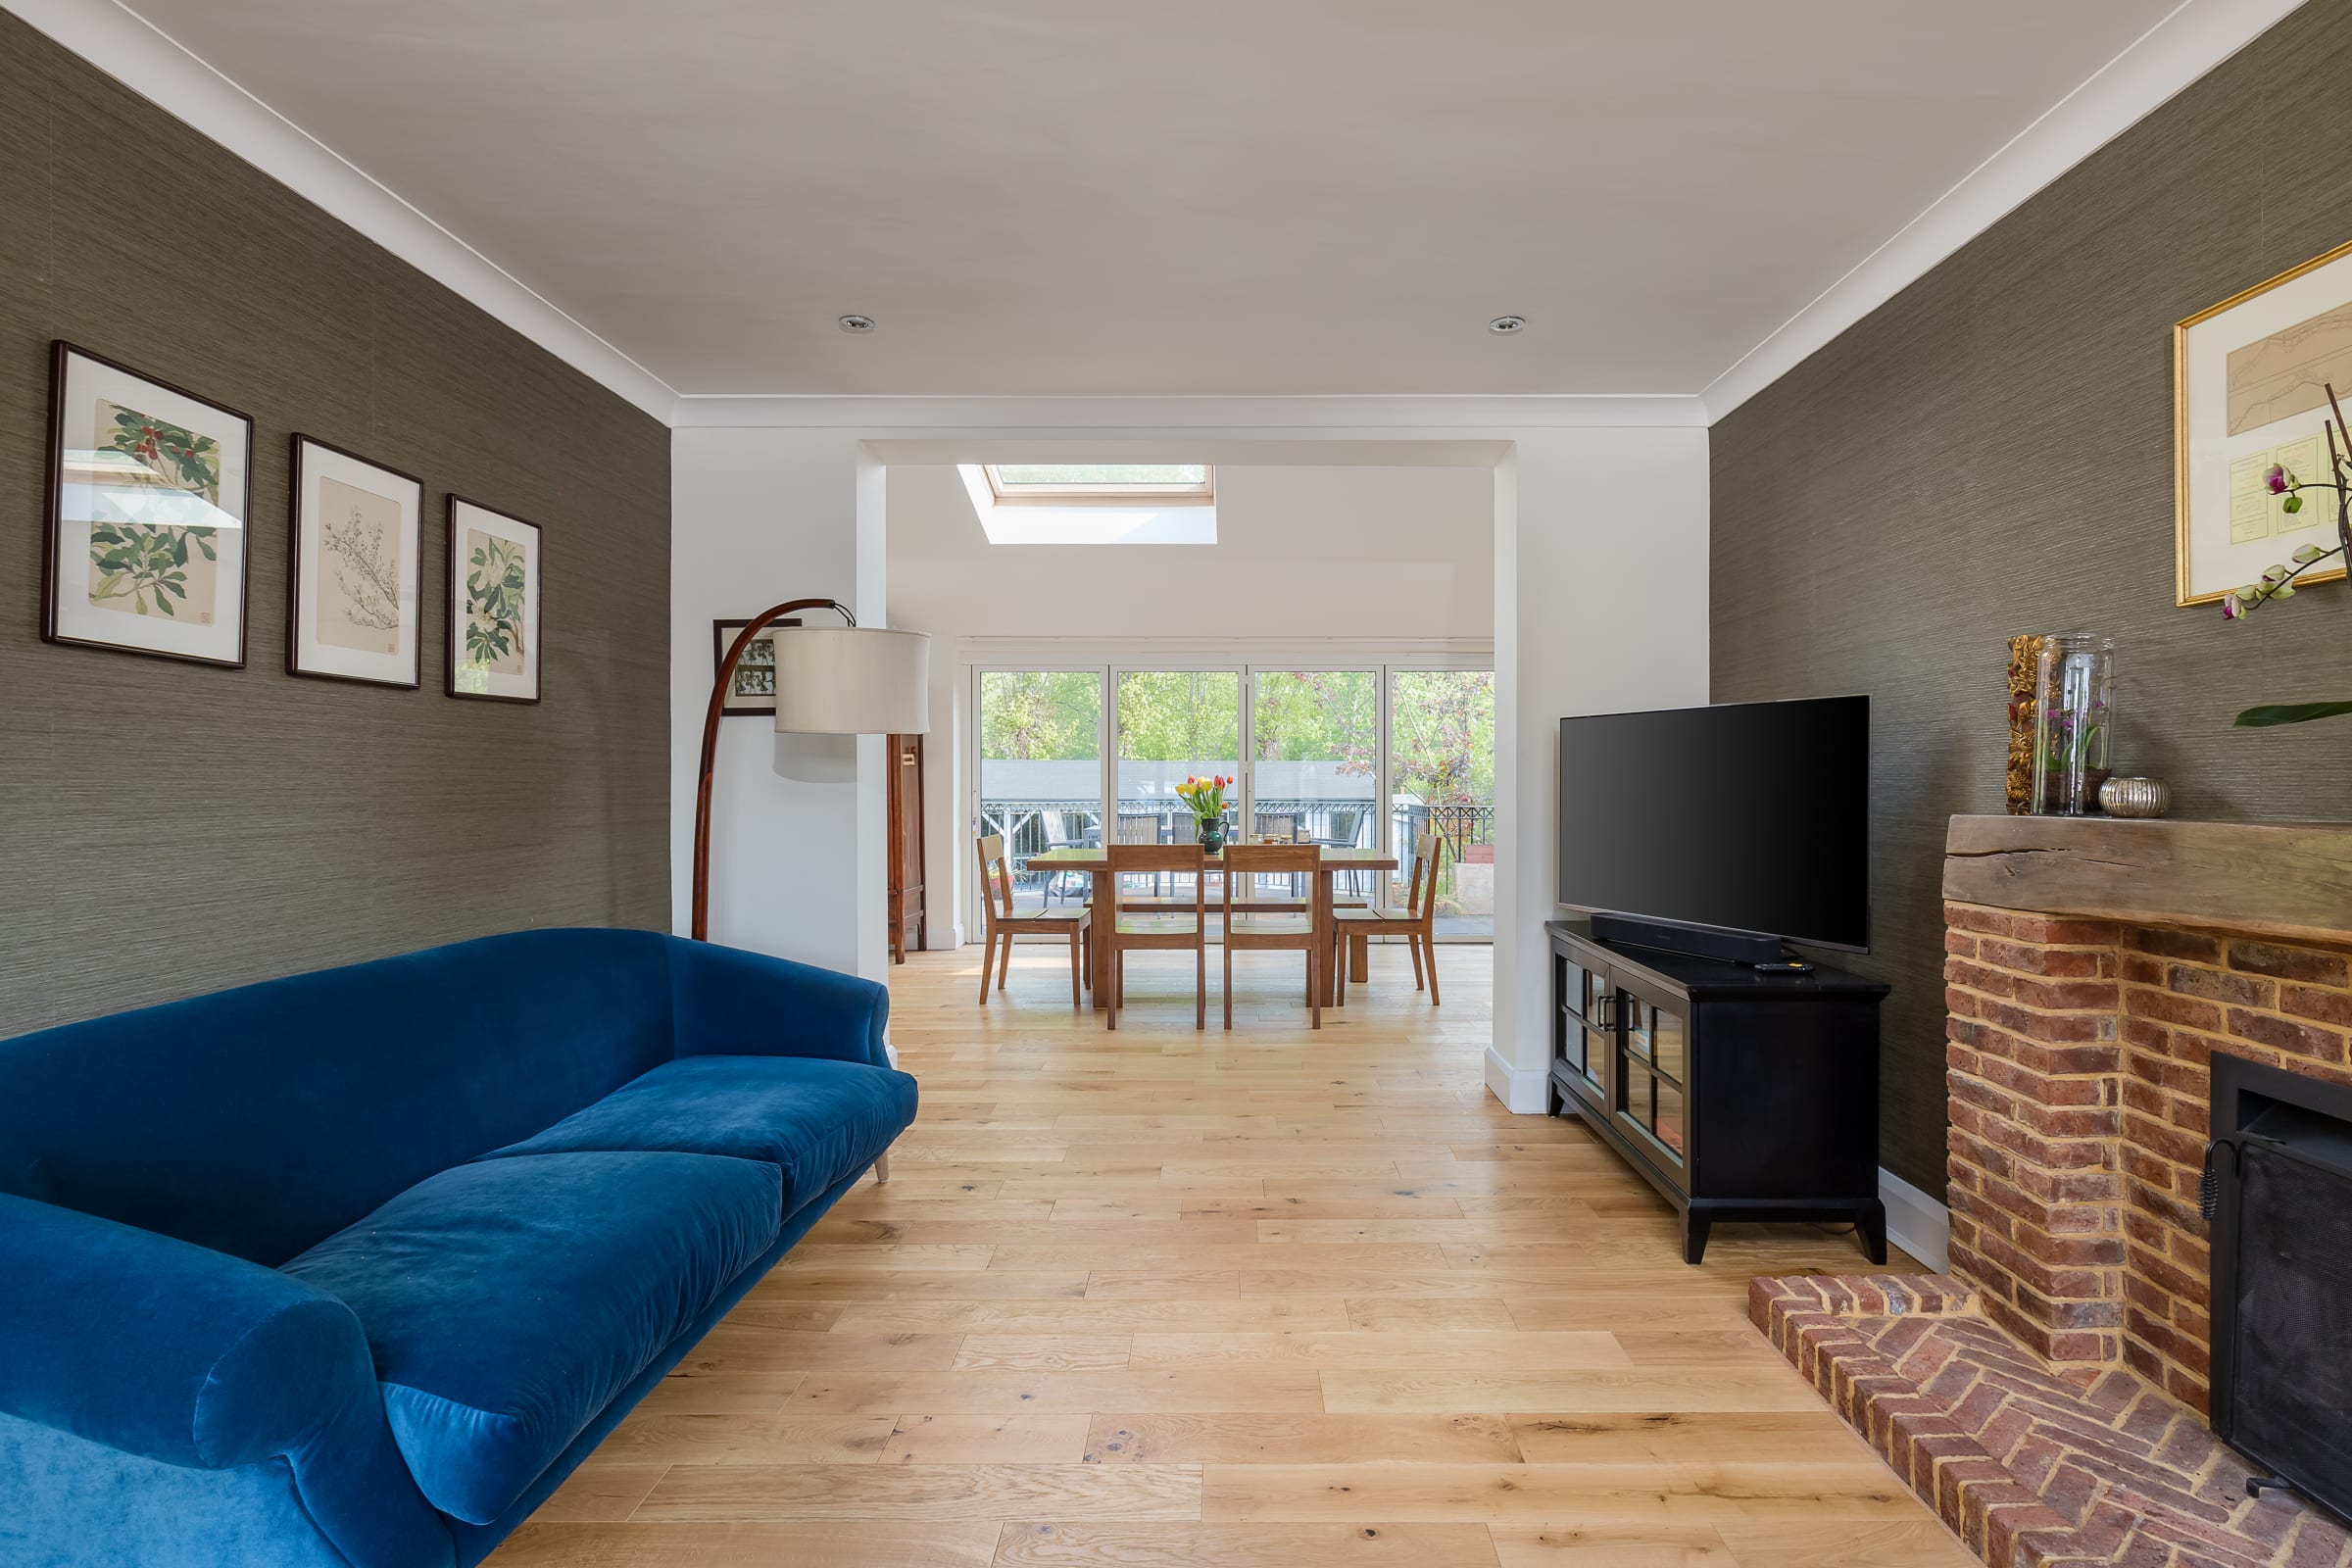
x=759, y=517
x=1601, y=605
x=1583, y=558
x=1387, y=552
x=1402, y=550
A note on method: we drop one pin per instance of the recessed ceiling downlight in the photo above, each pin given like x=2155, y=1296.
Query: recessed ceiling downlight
x=1505, y=325
x=856, y=324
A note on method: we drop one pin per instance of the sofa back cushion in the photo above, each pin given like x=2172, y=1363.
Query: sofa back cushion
x=259, y=1120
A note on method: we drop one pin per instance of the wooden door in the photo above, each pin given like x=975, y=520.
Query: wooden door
x=906, y=857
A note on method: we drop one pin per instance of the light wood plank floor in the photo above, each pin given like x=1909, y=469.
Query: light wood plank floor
x=1276, y=1296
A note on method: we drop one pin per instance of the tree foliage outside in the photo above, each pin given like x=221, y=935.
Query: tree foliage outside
x=1040, y=715
x=1441, y=722
x=1317, y=717
x=1441, y=725
x=1180, y=715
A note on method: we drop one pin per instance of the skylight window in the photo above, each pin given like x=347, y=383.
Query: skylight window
x=1092, y=503
x=1102, y=484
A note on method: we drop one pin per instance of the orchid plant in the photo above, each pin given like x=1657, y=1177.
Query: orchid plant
x=2279, y=582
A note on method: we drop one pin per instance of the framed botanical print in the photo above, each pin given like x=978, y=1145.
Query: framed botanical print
x=2250, y=380
x=494, y=575
x=754, y=690
x=353, y=610
x=145, y=547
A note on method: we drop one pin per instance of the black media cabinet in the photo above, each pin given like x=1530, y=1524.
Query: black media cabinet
x=1737, y=1095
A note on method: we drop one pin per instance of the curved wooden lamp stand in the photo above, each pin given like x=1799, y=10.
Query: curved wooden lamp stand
x=720, y=691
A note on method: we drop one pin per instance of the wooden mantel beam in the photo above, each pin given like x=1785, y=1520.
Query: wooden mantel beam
x=2276, y=879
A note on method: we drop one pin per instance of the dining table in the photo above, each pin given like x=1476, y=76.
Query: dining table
x=1095, y=864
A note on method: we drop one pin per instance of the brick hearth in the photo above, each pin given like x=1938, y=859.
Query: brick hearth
x=2048, y=1396
x=2032, y=1470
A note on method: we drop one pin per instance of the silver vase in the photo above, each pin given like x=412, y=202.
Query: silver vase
x=2135, y=796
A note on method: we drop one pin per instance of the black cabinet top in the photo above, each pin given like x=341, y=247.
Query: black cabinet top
x=1708, y=977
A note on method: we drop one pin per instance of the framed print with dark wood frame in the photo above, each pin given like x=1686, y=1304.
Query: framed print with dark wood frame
x=353, y=610
x=494, y=577
x=145, y=546
x=754, y=693
x=2250, y=380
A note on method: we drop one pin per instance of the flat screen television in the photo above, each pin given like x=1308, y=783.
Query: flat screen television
x=1745, y=820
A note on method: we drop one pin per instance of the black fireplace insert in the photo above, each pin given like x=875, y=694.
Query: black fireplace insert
x=2279, y=1192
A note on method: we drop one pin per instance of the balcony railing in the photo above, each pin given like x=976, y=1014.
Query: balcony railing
x=1032, y=826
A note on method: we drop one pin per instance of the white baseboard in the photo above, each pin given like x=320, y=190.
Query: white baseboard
x=1915, y=1222
x=1520, y=1088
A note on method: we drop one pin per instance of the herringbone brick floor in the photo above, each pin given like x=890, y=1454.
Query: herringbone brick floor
x=2032, y=1470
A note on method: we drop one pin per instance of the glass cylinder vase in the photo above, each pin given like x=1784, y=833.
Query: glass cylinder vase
x=2074, y=726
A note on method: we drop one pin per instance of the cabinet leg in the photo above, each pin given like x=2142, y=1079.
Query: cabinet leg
x=1871, y=1226
x=1694, y=1236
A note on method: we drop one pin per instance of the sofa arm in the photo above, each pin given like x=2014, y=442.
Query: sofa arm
x=165, y=1349
x=726, y=1002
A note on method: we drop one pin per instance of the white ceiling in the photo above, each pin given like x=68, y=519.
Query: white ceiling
x=1222, y=197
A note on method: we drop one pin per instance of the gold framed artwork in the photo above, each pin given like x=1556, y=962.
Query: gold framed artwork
x=2249, y=390
x=145, y=549
x=494, y=577
x=352, y=606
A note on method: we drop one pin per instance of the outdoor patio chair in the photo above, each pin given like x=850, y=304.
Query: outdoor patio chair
x=1071, y=885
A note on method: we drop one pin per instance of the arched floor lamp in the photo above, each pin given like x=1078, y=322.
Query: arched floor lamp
x=830, y=680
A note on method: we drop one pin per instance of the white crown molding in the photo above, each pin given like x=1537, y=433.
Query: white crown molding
x=1393, y=418
x=2192, y=38
x=2189, y=41
x=159, y=68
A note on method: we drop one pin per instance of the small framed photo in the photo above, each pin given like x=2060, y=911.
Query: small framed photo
x=145, y=548
x=2250, y=380
x=352, y=599
x=754, y=691
x=494, y=574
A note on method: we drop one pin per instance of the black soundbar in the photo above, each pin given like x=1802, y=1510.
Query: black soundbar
x=1702, y=941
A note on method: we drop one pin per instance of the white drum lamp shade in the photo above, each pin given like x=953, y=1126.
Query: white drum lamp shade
x=852, y=681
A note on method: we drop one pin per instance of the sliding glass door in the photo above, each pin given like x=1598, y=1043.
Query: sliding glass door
x=1040, y=751
x=1442, y=760
x=1314, y=759
x=1370, y=757
x=1173, y=724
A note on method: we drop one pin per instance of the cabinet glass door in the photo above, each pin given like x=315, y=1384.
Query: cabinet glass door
x=1582, y=1040
x=1649, y=1083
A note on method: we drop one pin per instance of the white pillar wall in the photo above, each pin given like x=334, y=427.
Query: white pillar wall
x=1601, y=606
x=759, y=515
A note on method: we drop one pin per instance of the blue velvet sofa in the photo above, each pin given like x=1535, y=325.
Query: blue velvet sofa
x=353, y=1268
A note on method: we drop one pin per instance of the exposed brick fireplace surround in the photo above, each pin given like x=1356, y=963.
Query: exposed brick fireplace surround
x=2047, y=1395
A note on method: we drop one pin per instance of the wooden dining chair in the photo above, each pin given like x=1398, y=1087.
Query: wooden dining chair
x=1416, y=920
x=1300, y=930
x=1161, y=927
x=1000, y=924
x=1133, y=828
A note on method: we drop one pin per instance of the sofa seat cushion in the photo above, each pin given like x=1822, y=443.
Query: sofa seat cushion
x=822, y=1121
x=507, y=1303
